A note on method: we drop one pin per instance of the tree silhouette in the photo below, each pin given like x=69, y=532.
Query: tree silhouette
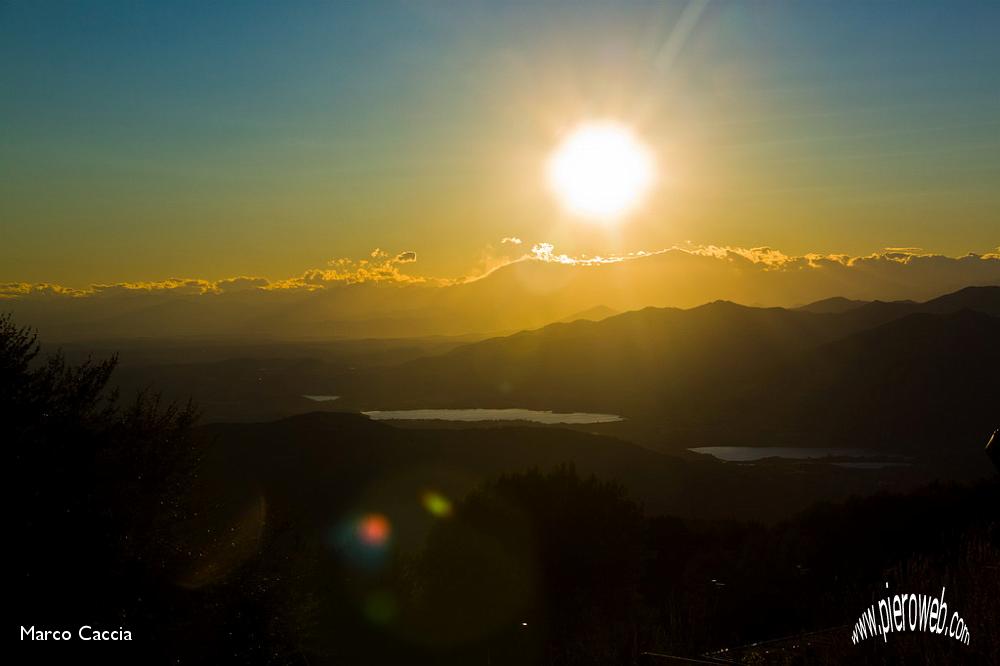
x=100, y=486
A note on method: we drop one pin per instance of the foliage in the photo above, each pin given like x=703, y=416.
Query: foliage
x=101, y=485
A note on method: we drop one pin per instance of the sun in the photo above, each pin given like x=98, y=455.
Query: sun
x=601, y=171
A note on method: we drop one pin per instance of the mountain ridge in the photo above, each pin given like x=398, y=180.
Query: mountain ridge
x=691, y=367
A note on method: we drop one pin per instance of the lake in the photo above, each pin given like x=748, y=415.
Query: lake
x=751, y=453
x=322, y=398
x=533, y=415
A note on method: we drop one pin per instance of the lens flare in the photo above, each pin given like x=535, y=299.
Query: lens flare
x=363, y=541
x=380, y=607
x=373, y=529
x=436, y=504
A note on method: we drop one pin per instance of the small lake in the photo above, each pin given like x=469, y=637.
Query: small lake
x=321, y=398
x=751, y=453
x=533, y=415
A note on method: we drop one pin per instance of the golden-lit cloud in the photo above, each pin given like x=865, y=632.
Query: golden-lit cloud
x=883, y=274
x=174, y=285
x=379, y=266
x=242, y=283
x=546, y=252
x=16, y=289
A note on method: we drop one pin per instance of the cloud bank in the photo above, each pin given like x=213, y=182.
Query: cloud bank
x=381, y=295
x=381, y=267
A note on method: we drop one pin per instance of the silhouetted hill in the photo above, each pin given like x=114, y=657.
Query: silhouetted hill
x=717, y=374
x=725, y=369
x=921, y=380
x=981, y=299
x=318, y=468
x=630, y=363
x=834, y=305
x=596, y=313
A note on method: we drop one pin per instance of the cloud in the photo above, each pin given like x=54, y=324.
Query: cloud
x=378, y=267
x=546, y=252
x=242, y=283
x=40, y=289
x=889, y=273
x=510, y=240
x=172, y=285
x=406, y=257
x=766, y=257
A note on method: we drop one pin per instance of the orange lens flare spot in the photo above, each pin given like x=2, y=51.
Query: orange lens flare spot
x=373, y=529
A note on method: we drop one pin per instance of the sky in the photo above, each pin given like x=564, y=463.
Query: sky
x=147, y=140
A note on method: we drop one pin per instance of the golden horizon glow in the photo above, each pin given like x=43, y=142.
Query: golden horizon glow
x=601, y=171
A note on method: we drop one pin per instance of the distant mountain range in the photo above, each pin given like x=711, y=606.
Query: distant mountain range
x=833, y=305
x=911, y=372
x=908, y=378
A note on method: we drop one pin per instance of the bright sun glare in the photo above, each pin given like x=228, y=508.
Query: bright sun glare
x=601, y=171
